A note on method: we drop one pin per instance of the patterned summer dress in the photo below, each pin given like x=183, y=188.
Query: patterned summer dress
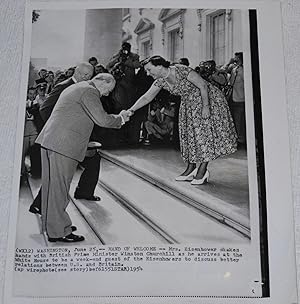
x=201, y=140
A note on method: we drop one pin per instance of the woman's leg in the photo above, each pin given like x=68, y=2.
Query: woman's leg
x=201, y=170
x=189, y=169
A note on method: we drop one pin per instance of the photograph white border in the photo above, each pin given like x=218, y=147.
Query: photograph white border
x=277, y=166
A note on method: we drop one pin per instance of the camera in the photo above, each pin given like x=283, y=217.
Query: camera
x=117, y=71
x=124, y=55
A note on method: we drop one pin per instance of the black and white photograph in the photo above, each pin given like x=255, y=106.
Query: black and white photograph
x=164, y=146
x=142, y=154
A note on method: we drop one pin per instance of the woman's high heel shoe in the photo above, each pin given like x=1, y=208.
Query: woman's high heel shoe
x=202, y=180
x=187, y=177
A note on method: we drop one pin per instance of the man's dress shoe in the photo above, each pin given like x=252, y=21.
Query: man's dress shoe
x=94, y=145
x=36, y=210
x=89, y=198
x=70, y=238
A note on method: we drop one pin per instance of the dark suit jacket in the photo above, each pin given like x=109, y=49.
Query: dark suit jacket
x=131, y=63
x=69, y=127
x=48, y=105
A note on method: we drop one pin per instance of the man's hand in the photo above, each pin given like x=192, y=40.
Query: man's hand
x=125, y=115
x=130, y=112
x=231, y=61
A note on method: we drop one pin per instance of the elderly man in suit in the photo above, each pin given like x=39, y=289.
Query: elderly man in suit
x=83, y=71
x=89, y=177
x=64, y=140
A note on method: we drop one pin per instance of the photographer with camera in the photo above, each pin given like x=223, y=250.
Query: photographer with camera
x=125, y=61
x=235, y=69
x=122, y=66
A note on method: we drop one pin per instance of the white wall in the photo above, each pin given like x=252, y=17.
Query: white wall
x=102, y=34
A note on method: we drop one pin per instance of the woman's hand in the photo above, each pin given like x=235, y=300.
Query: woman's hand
x=205, y=111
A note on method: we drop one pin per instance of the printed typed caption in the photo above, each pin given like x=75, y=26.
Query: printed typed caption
x=107, y=259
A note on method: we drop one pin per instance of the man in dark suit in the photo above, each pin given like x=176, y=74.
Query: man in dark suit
x=89, y=177
x=122, y=65
x=64, y=140
x=82, y=72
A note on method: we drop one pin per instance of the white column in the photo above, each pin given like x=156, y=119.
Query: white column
x=103, y=34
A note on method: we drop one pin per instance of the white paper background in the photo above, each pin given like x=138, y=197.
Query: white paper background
x=11, y=37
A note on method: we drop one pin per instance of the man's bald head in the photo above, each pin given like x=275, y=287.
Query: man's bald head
x=105, y=83
x=83, y=71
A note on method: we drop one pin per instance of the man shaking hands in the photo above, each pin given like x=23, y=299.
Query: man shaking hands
x=64, y=140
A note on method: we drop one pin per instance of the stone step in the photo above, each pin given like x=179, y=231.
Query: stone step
x=112, y=222
x=178, y=221
x=104, y=222
x=28, y=233
x=136, y=211
x=83, y=227
x=217, y=199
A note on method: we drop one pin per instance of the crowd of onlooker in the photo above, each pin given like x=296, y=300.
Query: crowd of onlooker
x=154, y=124
x=36, y=95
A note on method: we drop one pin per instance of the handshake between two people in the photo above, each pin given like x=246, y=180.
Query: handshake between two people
x=126, y=114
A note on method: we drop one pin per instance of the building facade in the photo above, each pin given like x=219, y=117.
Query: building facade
x=197, y=34
x=103, y=33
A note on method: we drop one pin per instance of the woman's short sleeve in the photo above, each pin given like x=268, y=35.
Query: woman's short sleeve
x=159, y=83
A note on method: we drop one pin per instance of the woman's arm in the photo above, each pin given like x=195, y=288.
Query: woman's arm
x=199, y=82
x=146, y=98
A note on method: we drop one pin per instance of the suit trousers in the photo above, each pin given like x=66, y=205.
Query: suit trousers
x=87, y=182
x=35, y=159
x=57, y=173
x=89, y=177
x=28, y=143
x=238, y=114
